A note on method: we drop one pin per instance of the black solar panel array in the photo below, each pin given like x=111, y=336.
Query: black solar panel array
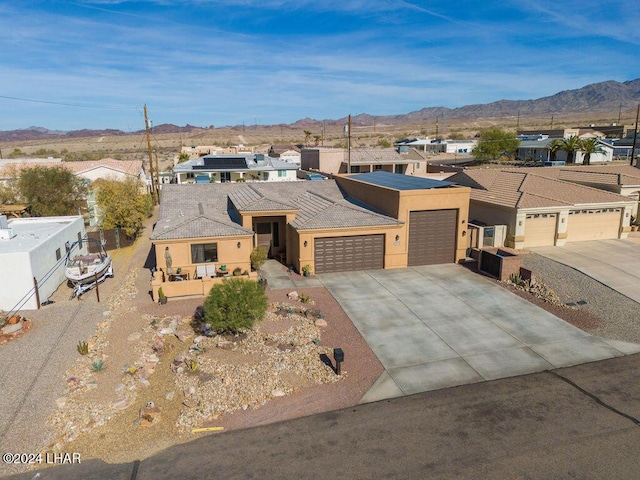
x=399, y=181
x=223, y=163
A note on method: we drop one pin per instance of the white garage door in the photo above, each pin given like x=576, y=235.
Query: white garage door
x=594, y=224
x=540, y=230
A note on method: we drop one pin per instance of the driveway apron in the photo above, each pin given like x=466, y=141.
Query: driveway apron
x=440, y=326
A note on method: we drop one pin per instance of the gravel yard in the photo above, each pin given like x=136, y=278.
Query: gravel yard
x=616, y=316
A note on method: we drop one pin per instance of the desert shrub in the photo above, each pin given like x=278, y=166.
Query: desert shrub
x=258, y=257
x=234, y=305
x=97, y=365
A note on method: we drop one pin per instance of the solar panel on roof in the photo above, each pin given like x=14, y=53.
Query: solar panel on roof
x=399, y=181
x=222, y=163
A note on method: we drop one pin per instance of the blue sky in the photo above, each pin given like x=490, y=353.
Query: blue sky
x=94, y=63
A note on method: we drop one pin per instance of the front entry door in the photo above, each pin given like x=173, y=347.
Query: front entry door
x=263, y=234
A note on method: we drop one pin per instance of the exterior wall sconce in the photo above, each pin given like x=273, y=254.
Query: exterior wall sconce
x=239, y=244
x=562, y=220
x=519, y=223
x=464, y=233
x=305, y=243
x=397, y=238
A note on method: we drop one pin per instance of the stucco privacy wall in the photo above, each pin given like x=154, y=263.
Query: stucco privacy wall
x=33, y=252
x=400, y=203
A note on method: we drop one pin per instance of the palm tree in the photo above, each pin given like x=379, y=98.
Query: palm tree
x=570, y=145
x=553, y=147
x=589, y=146
x=307, y=134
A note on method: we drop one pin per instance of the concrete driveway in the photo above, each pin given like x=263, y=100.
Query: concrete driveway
x=440, y=326
x=614, y=263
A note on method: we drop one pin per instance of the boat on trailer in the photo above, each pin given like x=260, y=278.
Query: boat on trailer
x=85, y=271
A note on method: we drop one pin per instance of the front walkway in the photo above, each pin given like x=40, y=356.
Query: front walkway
x=278, y=276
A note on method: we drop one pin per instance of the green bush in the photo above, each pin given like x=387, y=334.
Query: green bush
x=258, y=257
x=234, y=305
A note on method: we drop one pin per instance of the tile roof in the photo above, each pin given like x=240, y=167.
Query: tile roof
x=130, y=167
x=522, y=188
x=376, y=155
x=200, y=226
x=318, y=205
x=603, y=174
x=252, y=199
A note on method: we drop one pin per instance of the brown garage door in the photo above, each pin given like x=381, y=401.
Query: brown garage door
x=432, y=237
x=343, y=254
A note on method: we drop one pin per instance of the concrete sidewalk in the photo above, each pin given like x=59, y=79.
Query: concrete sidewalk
x=440, y=326
x=614, y=263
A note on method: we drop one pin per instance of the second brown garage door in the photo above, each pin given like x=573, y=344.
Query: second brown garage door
x=343, y=254
x=432, y=237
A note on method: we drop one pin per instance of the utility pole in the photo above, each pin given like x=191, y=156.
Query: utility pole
x=349, y=144
x=146, y=123
x=157, y=178
x=551, y=121
x=619, y=113
x=635, y=137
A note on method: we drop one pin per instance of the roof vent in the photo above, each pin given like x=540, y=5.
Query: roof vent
x=6, y=233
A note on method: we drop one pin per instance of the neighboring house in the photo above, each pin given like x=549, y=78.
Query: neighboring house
x=539, y=151
x=621, y=179
x=540, y=211
x=89, y=171
x=362, y=160
x=34, y=248
x=438, y=145
x=233, y=168
x=365, y=221
x=291, y=156
x=107, y=168
x=196, y=151
x=581, y=132
x=622, y=147
x=286, y=153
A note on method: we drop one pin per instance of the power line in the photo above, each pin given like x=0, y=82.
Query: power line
x=63, y=104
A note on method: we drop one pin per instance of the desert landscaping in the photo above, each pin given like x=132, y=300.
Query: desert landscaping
x=149, y=380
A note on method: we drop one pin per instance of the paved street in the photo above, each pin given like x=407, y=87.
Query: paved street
x=534, y=426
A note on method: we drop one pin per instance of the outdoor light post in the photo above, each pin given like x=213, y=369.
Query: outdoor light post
x=338, y=356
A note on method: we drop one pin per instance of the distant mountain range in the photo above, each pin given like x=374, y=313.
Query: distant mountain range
x=606, y=96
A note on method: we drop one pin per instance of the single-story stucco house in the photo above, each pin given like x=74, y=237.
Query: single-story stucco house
x=539, y=210
x=246, y=167
x=621, y=179
x=364, y=221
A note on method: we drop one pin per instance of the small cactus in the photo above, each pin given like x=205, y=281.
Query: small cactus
x=97, y=365
x=191, y=364
x=83, y=348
